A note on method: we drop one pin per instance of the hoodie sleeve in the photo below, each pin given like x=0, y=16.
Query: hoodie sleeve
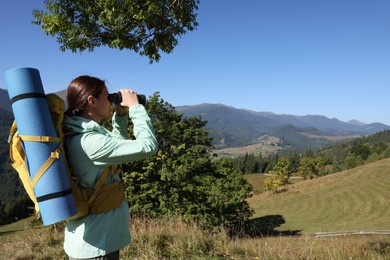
x=113, y=149
x=119, y=125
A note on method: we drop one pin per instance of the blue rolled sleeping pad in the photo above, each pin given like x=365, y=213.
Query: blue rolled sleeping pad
x=32, y=116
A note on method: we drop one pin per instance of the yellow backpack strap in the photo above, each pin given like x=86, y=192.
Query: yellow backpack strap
x=42, y=139
x=17, y=156
x=12, y=131
x=53, y=156
x=118, y=170
x=16, y=152
x=99, y=184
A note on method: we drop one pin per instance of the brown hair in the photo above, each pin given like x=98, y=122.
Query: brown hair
x=79, y=90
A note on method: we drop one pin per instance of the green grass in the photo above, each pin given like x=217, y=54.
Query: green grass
x=356, y=199
x=257, y=182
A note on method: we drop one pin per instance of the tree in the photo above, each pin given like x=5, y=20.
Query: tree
x=379, y=148
x=294, y=159
x=319, y=166
x=262, y=163
x=281, y=172
x=352, y=161
x=249, y=164
x=183, y=179
x=145, y=27
x=282, y=168
x=361, y=150
x=306, y=168
x=3, y=214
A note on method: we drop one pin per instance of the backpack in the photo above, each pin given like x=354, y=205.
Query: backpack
x=100, y=199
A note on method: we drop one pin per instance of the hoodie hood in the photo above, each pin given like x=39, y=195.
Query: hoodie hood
x=82, y=125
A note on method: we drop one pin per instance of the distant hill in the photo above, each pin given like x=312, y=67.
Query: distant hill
x=355, y=122
x=5, y=103
x=10, y=186
x=232, y=127
x=6, y=119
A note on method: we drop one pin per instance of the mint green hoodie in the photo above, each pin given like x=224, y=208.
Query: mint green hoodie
x=88, y=153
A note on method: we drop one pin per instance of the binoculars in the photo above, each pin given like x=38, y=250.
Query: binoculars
x=116, y=98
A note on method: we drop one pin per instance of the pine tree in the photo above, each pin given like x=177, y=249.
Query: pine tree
x=182, y=179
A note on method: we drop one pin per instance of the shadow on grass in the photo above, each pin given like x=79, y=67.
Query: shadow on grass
x=266, y=226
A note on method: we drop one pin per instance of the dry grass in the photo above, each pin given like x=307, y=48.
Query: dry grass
x=173, y=239
x=32, y=243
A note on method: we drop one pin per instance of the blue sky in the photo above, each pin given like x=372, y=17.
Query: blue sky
x=299, y=57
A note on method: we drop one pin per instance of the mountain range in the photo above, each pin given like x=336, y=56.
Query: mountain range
x=232, y=127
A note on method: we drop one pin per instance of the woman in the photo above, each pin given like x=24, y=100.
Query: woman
x=91, y=150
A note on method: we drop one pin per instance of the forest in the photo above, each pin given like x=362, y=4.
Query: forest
x=336, y=157
x=314, y=163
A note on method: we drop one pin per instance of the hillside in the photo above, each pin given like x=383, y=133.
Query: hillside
x=356, y=199
x=6, y=119
x=5, y=103
x=231, y=127
x=11, y=187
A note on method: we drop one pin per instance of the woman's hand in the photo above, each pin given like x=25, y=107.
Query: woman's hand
x=129, y=98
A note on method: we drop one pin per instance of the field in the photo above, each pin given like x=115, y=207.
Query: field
x=353, y=201
x=264, y=149
x=357, y=199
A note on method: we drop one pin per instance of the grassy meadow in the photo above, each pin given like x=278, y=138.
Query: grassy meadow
x=259, y=148
x=353, y=200
x=356, y=199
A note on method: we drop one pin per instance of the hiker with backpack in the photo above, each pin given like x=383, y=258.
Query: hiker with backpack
x=91, y=149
